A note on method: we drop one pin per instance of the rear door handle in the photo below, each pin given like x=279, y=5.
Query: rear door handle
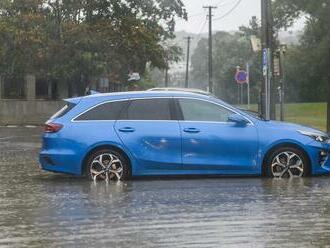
x=191, y=130
x=126, y=130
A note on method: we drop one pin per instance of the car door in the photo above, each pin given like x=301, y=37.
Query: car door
x=149, y=132
x=210, y=142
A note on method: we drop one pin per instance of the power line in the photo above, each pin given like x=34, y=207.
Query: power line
x=201, y=30
x=226, y=3
x=195, y=15
x=229, y=12
x=222, y=3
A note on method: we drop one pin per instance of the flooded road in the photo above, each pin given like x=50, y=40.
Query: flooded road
x=40, y=209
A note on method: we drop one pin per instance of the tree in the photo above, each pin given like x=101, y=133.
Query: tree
x=230, y=50
x=75, y=41
x=316, y=39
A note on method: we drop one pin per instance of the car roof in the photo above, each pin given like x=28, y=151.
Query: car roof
x=103, y=97
x=143, y=94
x=189, y=90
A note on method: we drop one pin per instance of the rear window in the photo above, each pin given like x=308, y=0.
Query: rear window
x=67, y=107
x=105, y=111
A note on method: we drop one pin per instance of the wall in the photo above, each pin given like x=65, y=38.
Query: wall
x=22, y=112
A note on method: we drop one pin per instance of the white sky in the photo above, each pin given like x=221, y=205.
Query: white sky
x=239, y=16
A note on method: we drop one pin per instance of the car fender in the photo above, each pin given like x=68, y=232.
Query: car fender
x=265, y=149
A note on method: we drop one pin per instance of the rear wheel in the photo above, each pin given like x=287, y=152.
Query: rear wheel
x=287, y=162
x=107, y=164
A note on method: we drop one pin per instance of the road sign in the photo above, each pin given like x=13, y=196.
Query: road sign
x=241, y=77
x=256, y=43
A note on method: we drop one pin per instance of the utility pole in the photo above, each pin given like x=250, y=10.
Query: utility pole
x=268, y=97
x=210, y=47
x=248, y=83
x=166, y=77
x=239, y=98
x=186, y=85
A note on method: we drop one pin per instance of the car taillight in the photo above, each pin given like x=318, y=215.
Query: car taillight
x=52, y=127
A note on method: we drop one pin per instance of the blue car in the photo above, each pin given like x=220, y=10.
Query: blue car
x=173, y=132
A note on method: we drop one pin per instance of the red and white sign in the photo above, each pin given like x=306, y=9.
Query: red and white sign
x=241, y=77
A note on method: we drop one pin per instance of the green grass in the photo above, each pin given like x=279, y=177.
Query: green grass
x=311, y=114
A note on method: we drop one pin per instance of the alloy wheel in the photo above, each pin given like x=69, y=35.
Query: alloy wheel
x=287, y=165
x=106, y=166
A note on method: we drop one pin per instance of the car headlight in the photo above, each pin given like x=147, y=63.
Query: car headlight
x=320, y=137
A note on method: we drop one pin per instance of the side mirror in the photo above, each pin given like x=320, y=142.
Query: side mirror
x=238, y=119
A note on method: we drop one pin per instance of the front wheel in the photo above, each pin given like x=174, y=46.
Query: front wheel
x=287, y=162
x=107, y=164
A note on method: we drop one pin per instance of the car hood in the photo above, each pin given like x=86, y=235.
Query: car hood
x=293, y=126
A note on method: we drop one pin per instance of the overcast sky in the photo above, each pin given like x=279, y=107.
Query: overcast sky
x=239, y=16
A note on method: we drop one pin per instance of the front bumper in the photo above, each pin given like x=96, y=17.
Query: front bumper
x=319, y=154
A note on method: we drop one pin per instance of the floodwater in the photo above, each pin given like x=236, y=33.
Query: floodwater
x=41, y=209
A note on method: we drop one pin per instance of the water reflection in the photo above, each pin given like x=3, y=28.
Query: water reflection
x=42, y=209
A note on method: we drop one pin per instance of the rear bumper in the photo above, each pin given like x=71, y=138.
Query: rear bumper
x=59, y=162
x=59, y=154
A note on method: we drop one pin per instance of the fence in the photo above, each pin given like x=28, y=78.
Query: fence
x=23, y=112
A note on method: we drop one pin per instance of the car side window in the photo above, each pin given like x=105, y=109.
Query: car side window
x=105, y=111
x=198, y=110
x=148, y=109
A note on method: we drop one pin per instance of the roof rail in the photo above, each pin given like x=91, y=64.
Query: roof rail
x=196, y=91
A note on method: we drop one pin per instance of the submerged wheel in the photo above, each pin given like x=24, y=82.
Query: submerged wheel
x=107, y=164
x=287, y=162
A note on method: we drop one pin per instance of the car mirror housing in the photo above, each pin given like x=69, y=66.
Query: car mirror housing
x=238, y=119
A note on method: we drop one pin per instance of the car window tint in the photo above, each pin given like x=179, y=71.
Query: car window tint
x=148, y=109
x=106, y=111
x=197, y=110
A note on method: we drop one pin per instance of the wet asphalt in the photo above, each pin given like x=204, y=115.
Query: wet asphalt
x=42, y=209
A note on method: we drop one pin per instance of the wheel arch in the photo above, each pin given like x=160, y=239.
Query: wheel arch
x=104, y=146
x=274, y=147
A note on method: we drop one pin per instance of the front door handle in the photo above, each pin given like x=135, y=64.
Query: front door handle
x=126, y=130
x=191, y=130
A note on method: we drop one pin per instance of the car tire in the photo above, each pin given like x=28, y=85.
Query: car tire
x=287, y=162
x=107, y=161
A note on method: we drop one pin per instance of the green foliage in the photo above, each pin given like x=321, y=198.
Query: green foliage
x=307, y=64
x=230, y=51
x=74, y=41
x=287, y=11
x=310, y=114
x=145, y=83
